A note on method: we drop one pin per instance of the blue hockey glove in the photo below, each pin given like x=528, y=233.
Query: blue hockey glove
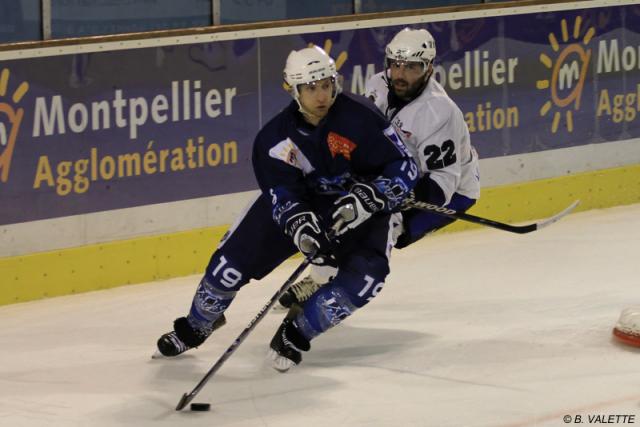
x=356, y=207
x=308, y=236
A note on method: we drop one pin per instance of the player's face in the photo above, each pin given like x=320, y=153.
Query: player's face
x=316, y=98
x=407, y=77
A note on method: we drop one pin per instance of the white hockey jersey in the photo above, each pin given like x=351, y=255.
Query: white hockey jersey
x=437, y=136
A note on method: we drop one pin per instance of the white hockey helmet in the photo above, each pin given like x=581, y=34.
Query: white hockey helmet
x=308, y=65
x=411, y=46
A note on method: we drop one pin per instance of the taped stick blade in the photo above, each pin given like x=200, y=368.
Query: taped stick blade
x=557, y=217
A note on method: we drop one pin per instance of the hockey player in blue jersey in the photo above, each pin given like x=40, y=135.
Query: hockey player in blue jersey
x=329, y=161
x=434, y=131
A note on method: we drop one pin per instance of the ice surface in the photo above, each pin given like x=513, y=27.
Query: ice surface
x=481, y=328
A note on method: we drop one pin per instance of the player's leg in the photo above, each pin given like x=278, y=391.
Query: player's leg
x=300, y=291
x=363, y=264
x=417, y=223
x=252, y=248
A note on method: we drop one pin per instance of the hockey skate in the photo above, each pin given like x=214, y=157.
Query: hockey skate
x=286, y=346
x=298, y=293
x=184, y=337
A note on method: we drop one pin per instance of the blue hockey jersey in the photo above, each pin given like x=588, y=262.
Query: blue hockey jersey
x=302, y=167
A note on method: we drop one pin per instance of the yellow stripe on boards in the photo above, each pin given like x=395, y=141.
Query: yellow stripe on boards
x=112, y=264
x=107, y=265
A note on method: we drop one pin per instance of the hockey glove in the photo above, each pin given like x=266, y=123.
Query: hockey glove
x=304, y=228
x=355, y=208
x=426, y=190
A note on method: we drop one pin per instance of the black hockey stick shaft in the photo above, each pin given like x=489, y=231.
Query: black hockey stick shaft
x=520, y=229
x=188, y=397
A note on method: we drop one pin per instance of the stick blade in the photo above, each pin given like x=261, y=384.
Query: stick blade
x=184, y=401
x=557, y=217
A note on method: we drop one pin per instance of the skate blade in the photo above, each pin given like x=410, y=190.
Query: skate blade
x=158, y=355
x=279, y=307
x=279, y=363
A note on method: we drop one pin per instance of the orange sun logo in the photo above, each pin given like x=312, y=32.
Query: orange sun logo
x=10, y=119
x=568, y=73
x=342, y=57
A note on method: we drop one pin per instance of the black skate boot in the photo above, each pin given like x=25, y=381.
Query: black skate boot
x=298, y=293
x=286, y=346
x=184, y=337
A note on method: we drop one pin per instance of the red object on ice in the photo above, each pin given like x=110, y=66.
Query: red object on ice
x=627, y=330
x=627, y=337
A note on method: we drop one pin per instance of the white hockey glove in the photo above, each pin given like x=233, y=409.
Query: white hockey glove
x=304, y=228
x=355, y=208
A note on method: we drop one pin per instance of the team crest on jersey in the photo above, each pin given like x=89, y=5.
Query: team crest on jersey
x=287, y=151
x=340, y=145
x=398, y=124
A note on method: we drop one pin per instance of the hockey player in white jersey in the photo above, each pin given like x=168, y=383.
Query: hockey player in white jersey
x=434, y=132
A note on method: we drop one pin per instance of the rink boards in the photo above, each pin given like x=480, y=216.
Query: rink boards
x=128, y=162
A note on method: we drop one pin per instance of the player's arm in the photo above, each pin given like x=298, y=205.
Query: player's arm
x=281, y=179
x=440, y=157
x=385, y=152
x=375, y=88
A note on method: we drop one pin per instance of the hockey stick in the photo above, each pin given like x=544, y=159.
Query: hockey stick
x=520, y=229
x=188, y=397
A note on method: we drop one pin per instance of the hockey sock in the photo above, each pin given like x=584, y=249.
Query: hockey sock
x=208, y=304
x=325, y=309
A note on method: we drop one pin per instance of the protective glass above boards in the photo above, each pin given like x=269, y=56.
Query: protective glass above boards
x=391, y=5
x=243, y=11
x=20, y=21
x=76, y=18
x=23, y=21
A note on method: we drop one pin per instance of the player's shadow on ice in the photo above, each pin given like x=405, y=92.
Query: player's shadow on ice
x=353, y=345
x=342, y=345
x=241, y=393
x=248, y=388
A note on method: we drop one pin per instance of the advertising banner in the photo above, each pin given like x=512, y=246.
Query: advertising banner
x=107, y=130
x=94, y=132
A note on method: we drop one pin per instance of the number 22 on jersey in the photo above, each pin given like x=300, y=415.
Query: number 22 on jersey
x=440, y=157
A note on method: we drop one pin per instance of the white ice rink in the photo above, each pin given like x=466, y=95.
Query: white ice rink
x=481, y=328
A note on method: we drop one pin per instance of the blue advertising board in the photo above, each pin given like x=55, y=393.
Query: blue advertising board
x=99, y=131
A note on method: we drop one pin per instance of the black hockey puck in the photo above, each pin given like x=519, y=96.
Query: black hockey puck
x=200, y=406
